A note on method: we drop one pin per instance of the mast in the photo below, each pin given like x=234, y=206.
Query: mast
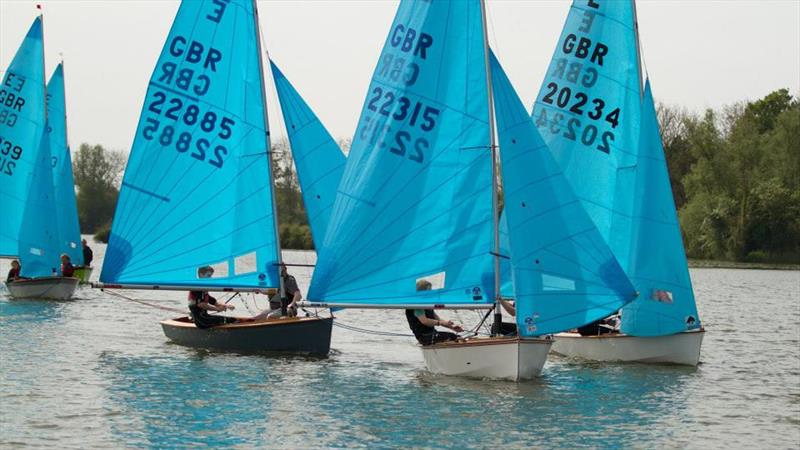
x=44, y=70
x=495, y=183
x=64, y=77
x=638, y=49
x=279, y=258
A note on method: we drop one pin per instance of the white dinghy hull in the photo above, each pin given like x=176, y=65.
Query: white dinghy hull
x=512, y=358
x=52, y=288
x=681, y=348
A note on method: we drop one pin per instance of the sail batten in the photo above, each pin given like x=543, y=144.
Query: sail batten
x=197, y=188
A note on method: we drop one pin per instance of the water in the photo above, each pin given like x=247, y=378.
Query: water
x=98, y=372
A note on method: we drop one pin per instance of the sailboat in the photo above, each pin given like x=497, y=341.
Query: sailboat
x=600, y=124
x=418, y=201
x=29, y=230
x=197, y=189
x=69, y=233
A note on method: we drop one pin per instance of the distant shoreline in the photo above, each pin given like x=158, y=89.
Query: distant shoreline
x=714, y=264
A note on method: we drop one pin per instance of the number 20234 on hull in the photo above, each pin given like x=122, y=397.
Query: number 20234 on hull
x=301, y=335
x=51, y=288
x=503, y=358
x=681, y=348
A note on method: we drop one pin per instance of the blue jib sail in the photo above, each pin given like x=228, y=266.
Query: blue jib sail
x=22, y=122
x=317, y=157
x=69, y=233
x=588, y=110
x=657, y=264
x=197, y=189
x=38, y=238
x=415, y=198
x=565, y=276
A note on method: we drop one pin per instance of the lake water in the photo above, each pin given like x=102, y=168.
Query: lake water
x=98, y=372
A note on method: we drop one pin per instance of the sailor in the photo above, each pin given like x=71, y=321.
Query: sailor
x=286, y=306
x=508, y=329
x=88, y=254
x=606, y=325
x=67, y=269
x=200, y=303
x=423, y=322
x=13, y=273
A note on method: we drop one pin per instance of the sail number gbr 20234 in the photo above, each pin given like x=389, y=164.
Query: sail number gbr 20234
x=185, y=114
x=578, y=105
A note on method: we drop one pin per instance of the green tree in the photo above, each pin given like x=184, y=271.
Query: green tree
x=97, y=173
x=742, y=190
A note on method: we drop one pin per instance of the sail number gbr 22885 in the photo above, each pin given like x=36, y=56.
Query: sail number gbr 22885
x=191, y=118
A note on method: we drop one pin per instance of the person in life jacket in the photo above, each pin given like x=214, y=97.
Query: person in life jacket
x=200, y=303
x=13, y=273
x=286, y=306
x=67, y=269
x=88, y=254
x=423, y=322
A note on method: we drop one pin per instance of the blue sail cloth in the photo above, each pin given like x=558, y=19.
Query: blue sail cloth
x=39, y=251
x=22, y=122
x=69, y=232
x=657, y=263
x=588, y=110
x=197, y=188
x=415, y=197
x=317, y=157
x=565, y=276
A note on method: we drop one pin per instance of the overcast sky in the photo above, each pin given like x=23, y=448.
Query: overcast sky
x=699, y=53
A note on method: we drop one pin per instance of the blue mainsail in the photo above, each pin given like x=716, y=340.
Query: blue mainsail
x=317, y=157
x=22, y=122
x=588, y=109
x=197, y=188
x=657, y=264
x=565, y=276
x=69, y=233
x=38, y=239
x=415, y=199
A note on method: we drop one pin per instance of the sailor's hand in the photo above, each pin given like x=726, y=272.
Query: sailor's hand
x=457, y=328
x=231, y=307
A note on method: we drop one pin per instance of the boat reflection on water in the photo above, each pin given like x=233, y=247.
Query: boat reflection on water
x=197, y=399
x=19, y=311
x=597, y=404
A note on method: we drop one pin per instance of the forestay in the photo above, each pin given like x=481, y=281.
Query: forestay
x=69, y=234
x=197, y=187
x=415, y=197
x=657, y=264
x=22, y=122
x=588, y=109
x=317, y=157
x=565, y=276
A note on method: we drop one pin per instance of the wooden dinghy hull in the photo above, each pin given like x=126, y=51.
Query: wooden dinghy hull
x=83, y=274
x=502, y=358
x=51, y=288
x=681, y=348
x=301, y=335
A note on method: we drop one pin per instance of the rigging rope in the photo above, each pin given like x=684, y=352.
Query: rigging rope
x=142, y=302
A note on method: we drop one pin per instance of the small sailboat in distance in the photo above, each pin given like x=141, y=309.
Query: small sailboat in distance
x=27, y=185
x=198, y=190
x=69, y=234
x=600, y=124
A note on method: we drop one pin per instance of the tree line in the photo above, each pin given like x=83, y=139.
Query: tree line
x=734, y=174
